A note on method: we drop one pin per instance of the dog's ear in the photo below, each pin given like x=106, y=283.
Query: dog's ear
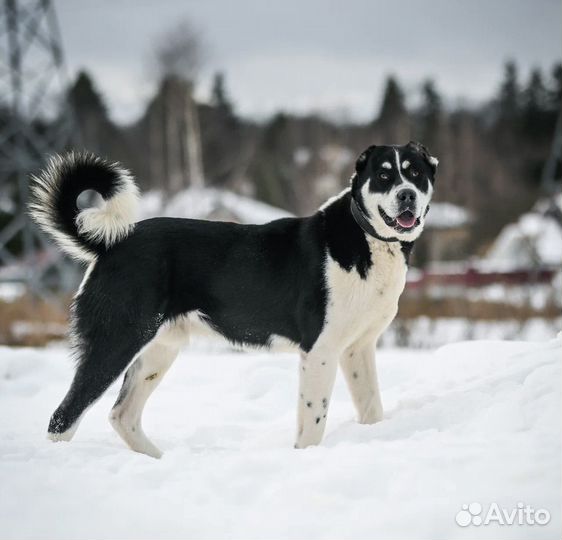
x=421, y=149
x=363, y=158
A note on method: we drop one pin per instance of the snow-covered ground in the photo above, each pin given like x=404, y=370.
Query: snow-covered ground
x=475, y=422
x=446, y=215
x=426, y=333
x=534, y=239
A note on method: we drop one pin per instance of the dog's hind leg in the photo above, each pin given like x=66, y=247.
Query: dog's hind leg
x=358, y=366
x=98, y=367
x=316, y=380
x=140, y=381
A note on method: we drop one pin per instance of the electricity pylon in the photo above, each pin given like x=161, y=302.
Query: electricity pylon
x=32, y=126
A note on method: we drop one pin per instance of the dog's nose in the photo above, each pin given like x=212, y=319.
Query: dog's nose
x=407, y=196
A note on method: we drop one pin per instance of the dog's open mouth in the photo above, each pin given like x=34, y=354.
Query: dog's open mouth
x=405, y=221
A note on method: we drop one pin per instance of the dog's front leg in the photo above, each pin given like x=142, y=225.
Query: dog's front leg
x=359, y=369
x=317, y=372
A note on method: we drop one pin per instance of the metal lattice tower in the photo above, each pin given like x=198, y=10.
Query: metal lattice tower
x=32, y=126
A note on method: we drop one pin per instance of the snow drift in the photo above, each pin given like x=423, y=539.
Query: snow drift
x=475, y=422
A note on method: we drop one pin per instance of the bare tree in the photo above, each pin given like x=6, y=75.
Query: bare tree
x=179, y=56
x=179, y=52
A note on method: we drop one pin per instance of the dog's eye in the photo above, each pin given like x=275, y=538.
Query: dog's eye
x=413, y=172
x=383, y=176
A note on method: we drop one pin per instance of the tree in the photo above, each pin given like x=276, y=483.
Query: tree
x=535, y=104
x=393, y=117
x=431, y=116
x=226, y=140
x=179, y=57
x=84, y=96
x=273, y=168
x=95, y=131
x=393, y=101
x=555, y=88
x=509, y=94
x=219, y=96
x=432, y=104
x=179, y=52
x=535, y=95
x=506, y=130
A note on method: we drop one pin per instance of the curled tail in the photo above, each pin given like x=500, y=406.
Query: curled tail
x=83, y=234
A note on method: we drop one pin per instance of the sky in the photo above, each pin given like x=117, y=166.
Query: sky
x=328, y=57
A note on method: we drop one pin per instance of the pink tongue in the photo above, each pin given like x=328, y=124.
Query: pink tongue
x=406, y=220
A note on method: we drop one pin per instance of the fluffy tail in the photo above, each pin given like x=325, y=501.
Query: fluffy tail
x=83, y=234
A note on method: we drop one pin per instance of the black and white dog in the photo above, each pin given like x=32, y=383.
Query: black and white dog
x=326, y=285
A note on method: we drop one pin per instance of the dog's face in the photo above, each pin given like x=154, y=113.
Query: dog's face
x=393, y=186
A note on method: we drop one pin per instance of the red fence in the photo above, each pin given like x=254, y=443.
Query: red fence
x=472, y=277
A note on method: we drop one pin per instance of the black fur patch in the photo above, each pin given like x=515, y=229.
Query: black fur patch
x=346, y=241
x=407, y=248
x=249, y=282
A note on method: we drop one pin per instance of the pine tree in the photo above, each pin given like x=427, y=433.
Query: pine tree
x=509, y=95
x=393, y=120
x=219, y=95
x=431, y=116
x=506, y=130
x=535, y=103
x=95, y=131
x=555, y=88
x=393, y=101
x=84, y=96
x=432, y=102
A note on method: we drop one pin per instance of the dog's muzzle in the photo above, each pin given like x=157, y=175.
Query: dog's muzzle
x=404, y=221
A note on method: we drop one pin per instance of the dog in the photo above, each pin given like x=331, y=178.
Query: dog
x=326, y=285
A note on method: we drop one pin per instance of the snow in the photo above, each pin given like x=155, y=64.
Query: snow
x=471, y=422
x=443, y=215
x=535, y=295
x=428, y=333
x=11, y=291
x=534, y=239
x=302, y=156
x=202, y=203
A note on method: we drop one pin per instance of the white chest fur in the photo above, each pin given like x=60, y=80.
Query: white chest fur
x=359, y=308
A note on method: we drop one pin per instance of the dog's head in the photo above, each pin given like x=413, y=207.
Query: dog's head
x=392, y=187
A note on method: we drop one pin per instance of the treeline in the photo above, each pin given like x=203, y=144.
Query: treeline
x=491, y=156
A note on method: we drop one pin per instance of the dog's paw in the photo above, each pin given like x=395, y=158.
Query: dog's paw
x=370, y=417
x=58, y=437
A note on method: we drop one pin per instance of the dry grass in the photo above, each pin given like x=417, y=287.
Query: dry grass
x=412, y=306
x=32, y=322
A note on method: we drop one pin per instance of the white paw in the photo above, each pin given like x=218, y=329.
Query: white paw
x=372, y=415
x=64, y=436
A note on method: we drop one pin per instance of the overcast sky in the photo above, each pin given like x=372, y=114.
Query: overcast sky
x=302, y=55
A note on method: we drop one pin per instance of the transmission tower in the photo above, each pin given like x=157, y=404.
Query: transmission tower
x=32, y=126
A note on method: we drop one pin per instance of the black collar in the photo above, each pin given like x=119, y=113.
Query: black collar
x=363, y=222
